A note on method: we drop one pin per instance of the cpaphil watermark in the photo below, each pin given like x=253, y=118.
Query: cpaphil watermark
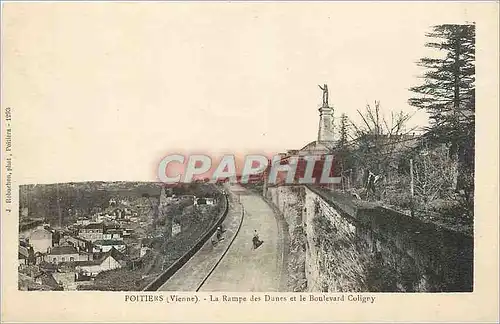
x=278, y=169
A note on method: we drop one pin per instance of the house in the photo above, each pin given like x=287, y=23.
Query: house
x=320, y=150
x=176, y=228
x=111, y=226
x=47, y=279
x=110, y=260
x=92, y=232
x=22, y=259
x=84, y=221
x=117, y=213
x=66, y=253
x=23, y=256
x=41, y=240
x=77, y=242
x=106, y=245
x=106, y=217
x=127, y=232
x=56, y=236
x=205, y=201
x=113, y=234
x=39, y=257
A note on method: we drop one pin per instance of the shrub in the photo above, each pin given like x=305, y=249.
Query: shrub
x=399, y=199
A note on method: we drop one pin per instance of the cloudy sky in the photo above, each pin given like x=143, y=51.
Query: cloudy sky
x=102, y=91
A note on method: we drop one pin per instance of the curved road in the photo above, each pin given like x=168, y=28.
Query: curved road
x=244, y=269
x=194, y=272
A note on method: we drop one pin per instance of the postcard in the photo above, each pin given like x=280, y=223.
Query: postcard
x=249, y=161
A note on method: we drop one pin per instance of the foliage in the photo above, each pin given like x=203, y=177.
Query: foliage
x=377, y=144
x=433, y=172
x=448, y=95
x=448, y=89
x=116, y=280
x=76, y=199
x=297, y=281
x=344, y=151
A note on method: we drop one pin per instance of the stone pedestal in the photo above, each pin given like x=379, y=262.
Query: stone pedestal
x=325, y=132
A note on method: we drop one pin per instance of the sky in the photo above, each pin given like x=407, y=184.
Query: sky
x=102, y=91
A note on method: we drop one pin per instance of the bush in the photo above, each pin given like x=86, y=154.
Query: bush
x=116, y=280
x=399, y=199
x=442, y=205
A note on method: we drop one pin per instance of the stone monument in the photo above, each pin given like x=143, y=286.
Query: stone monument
x=325, y=131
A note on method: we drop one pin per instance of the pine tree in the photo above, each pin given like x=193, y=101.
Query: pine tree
x=343, y=154
x=448, y=95
x=448, y=89
x=343, y=132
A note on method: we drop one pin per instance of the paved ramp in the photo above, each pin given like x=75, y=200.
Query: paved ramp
x=192, y=274
x=244, y=269
x=233, y=265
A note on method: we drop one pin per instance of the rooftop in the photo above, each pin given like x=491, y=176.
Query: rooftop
x=40, y=233
x=88, y=263
x=94, y=226
x=114, y=253
x=78, y=238
x=48, y=280
x=318, y=146
x=109, y=242
x=60, y=250
x=114, y=230
x=117, y=255
x=23, y=251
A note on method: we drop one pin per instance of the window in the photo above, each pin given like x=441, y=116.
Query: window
x=54, y=260
x=63, y=259
x=72, y=259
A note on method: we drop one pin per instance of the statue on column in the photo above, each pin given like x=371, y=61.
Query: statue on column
x=325, y=94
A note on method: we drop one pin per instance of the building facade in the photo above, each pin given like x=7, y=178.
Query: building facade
x=106, y=245
x=92, y=232
x=60, y=254
x=41, y=240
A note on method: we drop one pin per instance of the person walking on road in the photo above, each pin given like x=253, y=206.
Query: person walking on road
x=256, y=240
x=219, y=233
x=217, y=236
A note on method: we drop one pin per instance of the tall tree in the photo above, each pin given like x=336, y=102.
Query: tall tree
x=343, y=131
x=343, y=151
x=378, y=142
x=448, y=94
x=448, y=89
x=377, y=139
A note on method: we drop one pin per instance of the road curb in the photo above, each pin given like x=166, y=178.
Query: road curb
x=284, y=237
x=179, y=263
